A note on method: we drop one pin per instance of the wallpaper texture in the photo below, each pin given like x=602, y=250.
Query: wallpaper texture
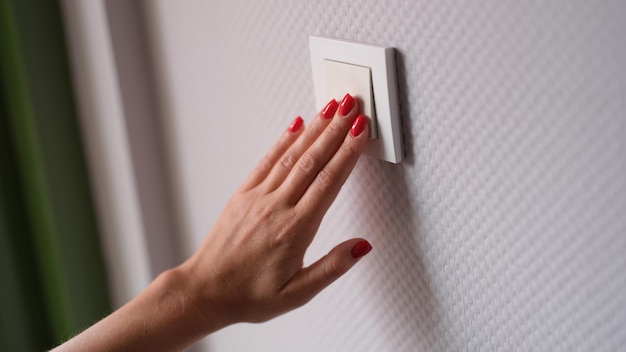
x=504, y=228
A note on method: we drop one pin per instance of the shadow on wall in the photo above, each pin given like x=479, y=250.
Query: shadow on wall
x=144, y=123
x=405, y=111
x=405, y=300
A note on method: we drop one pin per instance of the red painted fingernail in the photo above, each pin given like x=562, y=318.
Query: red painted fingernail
x=346, y=105
x=329, y=109
x=358, y=126
x=296, y=124
x=360, y=249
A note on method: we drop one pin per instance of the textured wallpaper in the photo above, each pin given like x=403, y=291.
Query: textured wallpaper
x=505, y=227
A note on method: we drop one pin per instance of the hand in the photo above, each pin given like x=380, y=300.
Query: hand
x=250, y=267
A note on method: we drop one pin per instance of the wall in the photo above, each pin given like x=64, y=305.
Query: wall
x=108, y=148
x=503, y=229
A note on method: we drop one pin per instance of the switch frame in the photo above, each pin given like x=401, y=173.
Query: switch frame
x=381, y=61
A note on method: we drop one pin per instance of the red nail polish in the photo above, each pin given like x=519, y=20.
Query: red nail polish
x=346, y=105
x=361, y=249
x=296, y=124
x=329, y=109
x=358, y=126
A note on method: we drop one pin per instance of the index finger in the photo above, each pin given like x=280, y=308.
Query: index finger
x=263, y=168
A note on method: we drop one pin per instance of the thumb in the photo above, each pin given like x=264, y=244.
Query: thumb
x=308, y=282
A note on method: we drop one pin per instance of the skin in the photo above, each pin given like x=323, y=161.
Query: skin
x=250, y=266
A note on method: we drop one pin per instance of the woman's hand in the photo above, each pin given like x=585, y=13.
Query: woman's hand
x=250, y=267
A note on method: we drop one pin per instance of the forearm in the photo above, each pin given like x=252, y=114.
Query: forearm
x=163, y=317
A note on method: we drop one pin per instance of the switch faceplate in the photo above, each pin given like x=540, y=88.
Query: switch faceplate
x=342, y=78
x=380, y=62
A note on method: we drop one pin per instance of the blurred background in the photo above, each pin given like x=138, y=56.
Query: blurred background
x=125, y=125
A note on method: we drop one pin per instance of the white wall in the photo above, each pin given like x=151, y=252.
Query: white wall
x=503, y=229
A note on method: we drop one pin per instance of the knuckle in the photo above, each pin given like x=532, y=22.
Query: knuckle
x=288, y=160
x=264, y=165
x=265, y=215
x=333, y=270
x=281, y=239
x=326, y=178
x=284, y=233
x=304, y=215
x=307, y=163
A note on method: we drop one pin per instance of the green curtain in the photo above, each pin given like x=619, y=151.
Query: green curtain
x=52, y=277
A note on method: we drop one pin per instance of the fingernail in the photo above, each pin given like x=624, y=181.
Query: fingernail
x=346, y=105
x=296, y=124
x=361, y=249
x=329, y=109
x=358, y=126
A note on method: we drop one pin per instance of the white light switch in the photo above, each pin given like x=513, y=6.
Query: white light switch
x=342, y=78
x=368, y=72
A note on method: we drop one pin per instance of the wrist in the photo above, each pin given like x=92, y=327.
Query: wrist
x=164, y=317
x=176, y=314
x=181, y=295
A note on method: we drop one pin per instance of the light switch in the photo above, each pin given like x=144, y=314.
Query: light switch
x=342, y=78
x=367, y=71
